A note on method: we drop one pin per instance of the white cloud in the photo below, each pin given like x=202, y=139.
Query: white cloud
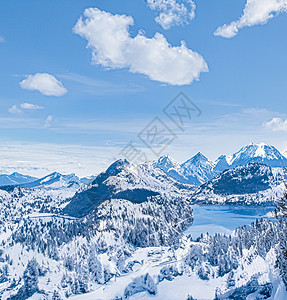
x=31, y=106
x=1, y=39
x=48, y=121
x=276, y=124
x=173, y=12
x=44, y=83
x=14, y=110
x=113, y=47
x=255, y=12
x=26, y=106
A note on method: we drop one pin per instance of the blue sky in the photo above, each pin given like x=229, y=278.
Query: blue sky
x=242, y=97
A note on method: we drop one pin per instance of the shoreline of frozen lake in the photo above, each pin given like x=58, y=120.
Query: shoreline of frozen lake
x=225, y=218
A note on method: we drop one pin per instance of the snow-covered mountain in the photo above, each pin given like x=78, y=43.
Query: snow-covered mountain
x=88, y=179
x=170, y=167
x=123, y=180
x=47, y=195
x=198, y=169
x=53, y=180
x=15, y=179
x=251, y=184
x=260, y=153
x=123, y=237
x=195, y=170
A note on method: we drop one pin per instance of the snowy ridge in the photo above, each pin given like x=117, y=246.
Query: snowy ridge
x=260, y=153
x=198, y=169
x=254, y=184
x=15, y=179
x=54, y=180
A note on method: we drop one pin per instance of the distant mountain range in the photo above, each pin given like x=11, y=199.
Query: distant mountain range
x=253, y=175
x=198, y=169
x=195, y=171
x=15, y=179
x=53, y=179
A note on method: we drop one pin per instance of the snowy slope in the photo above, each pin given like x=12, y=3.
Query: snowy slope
x=123, y=180
x=123, y=237
x=49, y=194
x=260, y=153
x=170, y=167
x=54, y=180
x=88, y=179
x=252, y=184
x=198, y=169
x=83, y=268
x=195, y=170
x=15, y=179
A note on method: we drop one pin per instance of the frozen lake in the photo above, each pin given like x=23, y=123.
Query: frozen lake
x=225, y=218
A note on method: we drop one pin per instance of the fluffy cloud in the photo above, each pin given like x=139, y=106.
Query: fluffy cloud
x=1, y=39
x=113, y=47
x=173, y=12
x=45, y=83
x=24, y=106
x=255, y=12
x=276, y=124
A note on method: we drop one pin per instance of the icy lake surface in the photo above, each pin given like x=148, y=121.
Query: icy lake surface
x=225, y=218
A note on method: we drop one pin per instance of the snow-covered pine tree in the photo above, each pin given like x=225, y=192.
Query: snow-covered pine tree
x=281, y=214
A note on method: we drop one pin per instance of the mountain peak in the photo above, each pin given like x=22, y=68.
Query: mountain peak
x=167, y=159
x=113, y=170
x=118, y=165
x=198, y=158
x=262, y=153
x=199, y=155
x=166, y=163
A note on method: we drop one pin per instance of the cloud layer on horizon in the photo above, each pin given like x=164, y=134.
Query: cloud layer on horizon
x=112, y=47
x=255, y=12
